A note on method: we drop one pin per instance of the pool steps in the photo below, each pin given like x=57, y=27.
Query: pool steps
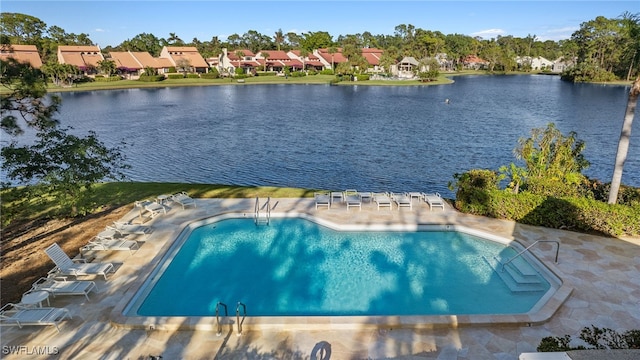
x=517, y=275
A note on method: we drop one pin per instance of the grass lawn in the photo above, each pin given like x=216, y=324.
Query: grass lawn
x=313, y=79
x=115, y=194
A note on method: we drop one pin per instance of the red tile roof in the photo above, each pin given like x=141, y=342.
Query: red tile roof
x=125, y=60
x=189, y=53
x=337, y=57
x=232, y=54
x=372, y=58
x=275, y=54
x=80, y=56
x=27, y=54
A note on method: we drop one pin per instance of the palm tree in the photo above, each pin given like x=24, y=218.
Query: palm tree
x=623, y=143
x=303, y=54
x=107, y=66
x=265, y=55
x=332, y=50
x=278, y=38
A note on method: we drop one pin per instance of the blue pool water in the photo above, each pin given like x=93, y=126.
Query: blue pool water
x=295, y=267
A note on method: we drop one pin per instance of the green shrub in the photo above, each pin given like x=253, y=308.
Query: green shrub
x=297, y=74
x=265, y=73
x=210, y=75
x=478, y=193
x=193, y=76
x=362, y=77
x=473, y=187
x=326, y=72
x=175, y=76
x=152, y=78
x=107, y=79
x=598, y=338
x=555, y=344
x=172, y=69
x=571, y=213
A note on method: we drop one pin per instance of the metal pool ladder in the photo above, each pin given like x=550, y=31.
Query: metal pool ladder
x=244, y=315
x=262, y=214
x=218, y=315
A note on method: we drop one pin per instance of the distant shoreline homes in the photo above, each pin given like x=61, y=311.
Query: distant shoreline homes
x=130, y=65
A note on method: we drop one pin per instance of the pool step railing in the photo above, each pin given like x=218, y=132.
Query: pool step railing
x=226, y=314
x=518, y=276
x=532, y=245
x=244, y=315
x=262, y=213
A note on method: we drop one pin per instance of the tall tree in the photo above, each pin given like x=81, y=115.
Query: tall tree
x=174, y=40
x=22, y=29
x=303, y=55
x=60, y=164
x=623, y=143
x=278, y=38
x=332, y=50
x=265, y=55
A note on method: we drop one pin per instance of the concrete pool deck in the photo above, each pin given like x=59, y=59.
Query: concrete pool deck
x=604, y=274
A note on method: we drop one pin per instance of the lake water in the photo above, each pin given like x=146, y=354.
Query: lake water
x=391, y=138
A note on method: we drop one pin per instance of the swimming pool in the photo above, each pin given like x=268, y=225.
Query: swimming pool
x=297, y=267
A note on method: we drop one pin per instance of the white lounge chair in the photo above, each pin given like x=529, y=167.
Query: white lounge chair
x=365, y=196
x=402, y=200
x=322, y=199
x=130, y=229
x=382, y=200
x=12, y=314
x=104, y=244
x=434, y=200
x=352, y=199
x=66, y=266
x=183, y=199
x=152, y=207
x=61, y=286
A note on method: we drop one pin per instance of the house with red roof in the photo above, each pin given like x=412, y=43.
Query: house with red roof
x=185, y=55
x=474, y=63
x=26, y=54
x=86, y=58
x=373, y=56
x=330, y=59
x=277, y=60
x=310, y=61
x=132, y=64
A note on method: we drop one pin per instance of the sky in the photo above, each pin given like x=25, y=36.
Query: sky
x=112, y=22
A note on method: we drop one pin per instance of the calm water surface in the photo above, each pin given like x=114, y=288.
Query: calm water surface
x=339, y=137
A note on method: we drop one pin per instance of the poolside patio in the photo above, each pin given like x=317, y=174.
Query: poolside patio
x=603, y=273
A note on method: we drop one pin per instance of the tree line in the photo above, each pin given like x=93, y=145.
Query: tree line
x=602, y=49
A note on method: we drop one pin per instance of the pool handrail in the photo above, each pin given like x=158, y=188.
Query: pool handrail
x=529, y=247
x=226, y=313
x=244, y=315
